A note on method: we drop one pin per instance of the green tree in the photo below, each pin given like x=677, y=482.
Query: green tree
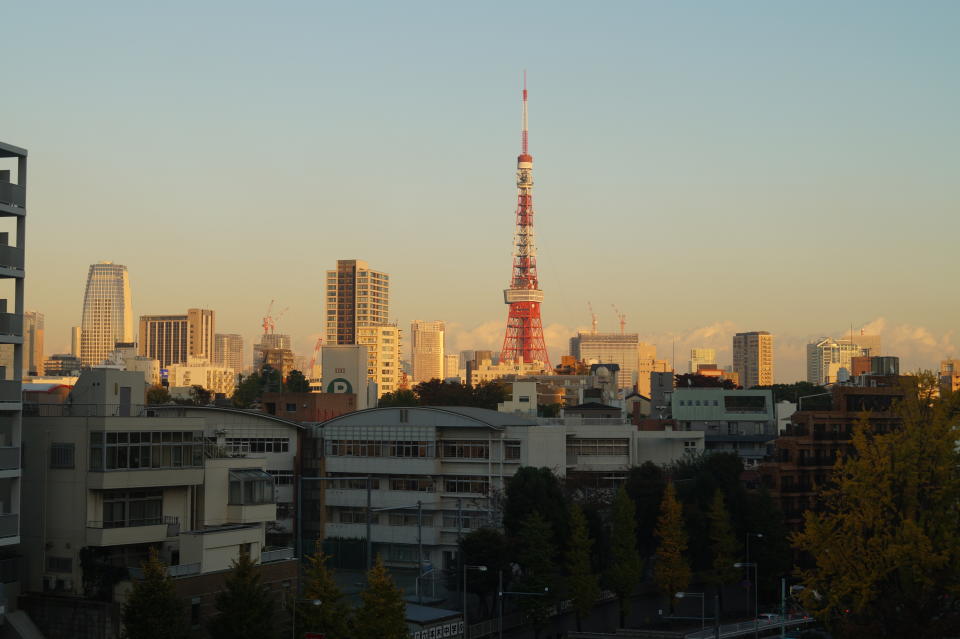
x=401, y=397
x=382, y=611
x=200, y=396
x=157, y=394
x=247, y=391
x=885, y=550
x=488, y=394
x=332, y=615
x=535, y=490
x=645, y=485
x=723, y=545
x=484, y=547
x=245, y=606
x=296, y=382
x=153, y=610
x=626, y=569
x=582, y=584
x=671, y=571
x=536, y=555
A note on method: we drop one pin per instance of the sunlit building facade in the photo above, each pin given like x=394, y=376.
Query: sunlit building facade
x=426, y=350
x=107, y=312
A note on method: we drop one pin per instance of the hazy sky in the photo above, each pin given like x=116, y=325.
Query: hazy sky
x=707, y=167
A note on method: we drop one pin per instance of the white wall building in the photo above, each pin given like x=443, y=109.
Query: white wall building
x=383, y=356
x=828, y=357
x=200, y=372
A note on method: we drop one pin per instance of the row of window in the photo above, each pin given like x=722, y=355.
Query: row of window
x=408, y=518
x=449, y=449
x=260, y=444
x=599, y=447
x=476, y=484
x=135, y=450
x=126, y=508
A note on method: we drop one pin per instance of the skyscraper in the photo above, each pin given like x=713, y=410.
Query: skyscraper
x=622, y=349
x=827, y=356
x=228, y=351
x=753, y=358
x=75, y=333
x=172, y=339
x=700, y=356
x=426, y=350
x=107, y=312
x=357, y=297
x=33, y=343
x=383, y=356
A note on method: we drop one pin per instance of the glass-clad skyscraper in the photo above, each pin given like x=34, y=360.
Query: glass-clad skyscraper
x=107, y=312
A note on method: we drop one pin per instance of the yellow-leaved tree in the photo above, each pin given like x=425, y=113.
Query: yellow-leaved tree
x=885, y=548
x=671, y=572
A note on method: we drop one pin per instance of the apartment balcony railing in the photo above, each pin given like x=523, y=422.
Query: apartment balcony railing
x=9, y=525
x=10, y=391
x=11, y=257
x=11, y=324
x=9, y=457
x=82, y=410
x=277, y=554
x=13, y=194
x=180, y=570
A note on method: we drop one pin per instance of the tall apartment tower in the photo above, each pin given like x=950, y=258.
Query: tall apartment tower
x=107, y=312
x=33, y=343
x=827, y=356
x=610, y=348
x=702, y=356
x=753, y=358
x=426, y=350
x=173, y=339
x=357, y=297
x=75, y=333
x=13, y=206
x=228, y=351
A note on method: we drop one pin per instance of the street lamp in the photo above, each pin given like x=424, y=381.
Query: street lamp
x=293, y=623
x=466, y=628
x=756, y=577
x=501, y=593
x=703, y=612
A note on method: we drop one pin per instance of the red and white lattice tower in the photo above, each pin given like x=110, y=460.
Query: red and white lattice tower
x=524, y=337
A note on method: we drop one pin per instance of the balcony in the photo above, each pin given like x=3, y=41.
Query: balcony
x=13, y=195
x=153, y=532
x=9, y=525
x=277, y=554
x=11, y=325
x=10, y=393
x=11, y=257
x=9, y=457
x=181, y=570
x=251, y=514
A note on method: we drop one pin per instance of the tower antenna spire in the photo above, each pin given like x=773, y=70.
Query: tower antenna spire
x=524, y=131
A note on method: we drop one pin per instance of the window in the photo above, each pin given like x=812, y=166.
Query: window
x=409, y=519
x=598, y=447
x=250, y=486
x=127, y=508
x=291, y=408
x=421, y=484
x=61, y=455
x=282, y=477
x=59, y=564
x=466, y=484
x=136, y=450
x=466, y=449
x=511, y=449
x=240, y=445
x=353, y=516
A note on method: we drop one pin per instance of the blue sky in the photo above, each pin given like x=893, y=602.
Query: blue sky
x=707, y=167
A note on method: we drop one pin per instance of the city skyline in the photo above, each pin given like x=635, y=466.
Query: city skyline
x=805, y=160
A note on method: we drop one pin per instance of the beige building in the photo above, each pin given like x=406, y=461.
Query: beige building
x=753, y=358
x=427, y=350
x=950, y=375
x=451, y=366
x=200, y=372
x=357, y=297
x=33, y=343
x=702, y=357
x=486, y=371
x=828, y=358
x=635, y=358
x=107, y=312
x=172, y=339
x=383, y=356
x=648, y=363
x=228, y=351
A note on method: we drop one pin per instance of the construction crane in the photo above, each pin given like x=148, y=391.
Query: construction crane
x=621, y=317
x=316, y=353
x=270, y=321
x=593, y=319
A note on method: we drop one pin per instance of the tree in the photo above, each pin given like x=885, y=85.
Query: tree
x=157, y=394
x=535, y=490
x=723, y=544
x=793, y=393
x=488, y=394
x=645, y=485
x=200, y=396
x=582, y=584
x=296, y=383
x=401, y=397
x=332, y=615
x=885, y=550
x=247, y=391
x=671, y=571
x=484, y=547
x=382, y=611
x=245, y=605
x=626, y=570
x=694, y=380
x=153, y=610
x=536, y=553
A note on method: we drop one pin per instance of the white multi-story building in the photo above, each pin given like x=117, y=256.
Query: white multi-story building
x=200, y=372
x=454, y=462
x=740, y=421
x=753, y=358
x=451, y=365
x=484, y=370
x=383, y=356
x=426, y=350
x=702, y=356
x=622, y=349
x=828, y=358
x=228, y=351
x=107, y=312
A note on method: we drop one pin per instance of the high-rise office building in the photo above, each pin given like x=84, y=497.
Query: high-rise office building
x=228, y=351
x=13, y=207
x=610, y=348
x=426, y=350
x=702, y=356
x=75, y=341
x=828, y=358
x=451, y=365
x=172, y=339
x=753, y=358
x=357, y=297
x=273, y=348
x=107, y=312
x=33, y=343
x=383, y=356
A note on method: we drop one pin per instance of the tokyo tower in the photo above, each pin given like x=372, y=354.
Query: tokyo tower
x=524, y=337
